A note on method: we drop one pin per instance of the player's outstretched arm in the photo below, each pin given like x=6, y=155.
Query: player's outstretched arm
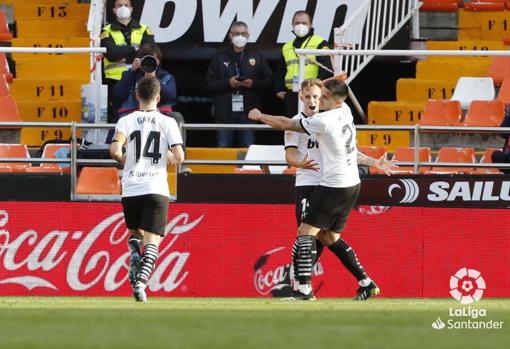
x=306, y=163
x=278, y=122
x=382, y=163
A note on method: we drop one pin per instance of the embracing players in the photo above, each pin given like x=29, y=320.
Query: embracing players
x=331, y=201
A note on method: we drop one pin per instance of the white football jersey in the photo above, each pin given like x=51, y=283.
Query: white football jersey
x=336, y=133
x=149, y=136
x=305, y=144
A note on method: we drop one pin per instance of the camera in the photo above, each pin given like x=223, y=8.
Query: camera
x=148, y=64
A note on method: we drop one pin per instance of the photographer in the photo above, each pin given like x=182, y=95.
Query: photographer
x=236, y=78
x=124, y=91
x=146, y=63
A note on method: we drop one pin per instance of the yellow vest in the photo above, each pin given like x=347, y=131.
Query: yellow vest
x=292, y=60
x=114, y=70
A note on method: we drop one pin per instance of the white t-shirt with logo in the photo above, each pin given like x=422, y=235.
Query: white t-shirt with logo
x=149, y=136
x=305, y=144
x=336, y=133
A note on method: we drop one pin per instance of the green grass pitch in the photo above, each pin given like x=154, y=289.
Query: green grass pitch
x=93, y=323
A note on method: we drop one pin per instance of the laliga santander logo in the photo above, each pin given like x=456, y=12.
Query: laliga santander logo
x=467, y=285
x=411, y=190
x=274, y=272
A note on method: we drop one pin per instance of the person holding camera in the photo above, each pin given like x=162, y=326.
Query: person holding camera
x=145, y=64
x=236, y=79
x=122, y=37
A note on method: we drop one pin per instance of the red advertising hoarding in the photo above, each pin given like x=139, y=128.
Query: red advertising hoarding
x=79, y=249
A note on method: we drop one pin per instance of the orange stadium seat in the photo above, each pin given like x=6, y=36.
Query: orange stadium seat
x=98, y=180
x=452, y=154
x=50, y=152
x=4, y=86
x=8, y=109
x=5, y=34
x=5, y=169
x=485, y=113
x=406, y=154
x=441, y=113
x=15, y=151
x=44, y=169
x=485, y=5
x=440, y=5
x=4, y=67
x=487, y=159
x=500, y=69
x=504, y=92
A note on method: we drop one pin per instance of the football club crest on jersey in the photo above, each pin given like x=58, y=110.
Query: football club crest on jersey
x=252, y=61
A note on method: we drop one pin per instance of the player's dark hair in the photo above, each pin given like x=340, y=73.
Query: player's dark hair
x=338, y=88
x=148, y=88
x=302, y=12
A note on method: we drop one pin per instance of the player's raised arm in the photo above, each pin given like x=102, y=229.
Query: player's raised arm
x=275, y=121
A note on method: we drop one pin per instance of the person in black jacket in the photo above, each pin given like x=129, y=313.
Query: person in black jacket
x=286, y=77
x=236, y=79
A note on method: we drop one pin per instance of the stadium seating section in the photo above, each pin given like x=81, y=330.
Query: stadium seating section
x=447, y=91
x=47, y=87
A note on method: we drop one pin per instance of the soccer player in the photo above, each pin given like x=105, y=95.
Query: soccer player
x=332, y=201
x=302, y=152
x=152, y=140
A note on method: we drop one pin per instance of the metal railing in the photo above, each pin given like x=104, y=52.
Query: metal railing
x=74, y=161
x=416, y=129
x=371, y=27
x=354, y=52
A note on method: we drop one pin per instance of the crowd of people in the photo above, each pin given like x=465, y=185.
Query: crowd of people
x=237, y=76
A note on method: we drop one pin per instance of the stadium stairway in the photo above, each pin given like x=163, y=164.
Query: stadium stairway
x=479, y=28
x=47, y=87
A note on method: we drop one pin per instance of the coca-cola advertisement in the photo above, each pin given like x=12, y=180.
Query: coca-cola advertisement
x=223, y=250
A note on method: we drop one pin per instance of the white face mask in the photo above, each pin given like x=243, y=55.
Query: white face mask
x=123, y=12
x=301, y=30
x=239, y=41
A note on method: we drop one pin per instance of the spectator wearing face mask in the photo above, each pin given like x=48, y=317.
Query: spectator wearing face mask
x=236, y=79
x=122, y=38
x=287, y=76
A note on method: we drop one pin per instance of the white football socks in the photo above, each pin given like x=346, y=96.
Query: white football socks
x=365, y=282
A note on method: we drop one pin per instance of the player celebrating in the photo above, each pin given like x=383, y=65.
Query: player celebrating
x=336, y=195
x=302, y=152
x=152, y=141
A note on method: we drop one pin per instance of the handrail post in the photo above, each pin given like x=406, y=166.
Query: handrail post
x=415, y=22
x=416, y=147
x=302, y=61
x=74, y=173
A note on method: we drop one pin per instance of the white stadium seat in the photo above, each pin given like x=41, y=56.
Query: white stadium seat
x=470, y=89
x=266, y=152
